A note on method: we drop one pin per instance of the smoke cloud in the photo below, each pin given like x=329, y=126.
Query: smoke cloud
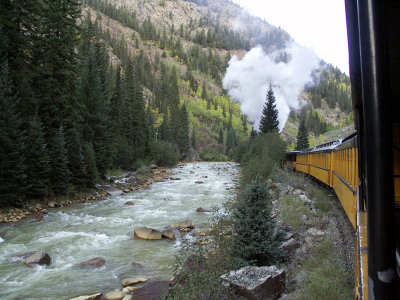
x=247, y=80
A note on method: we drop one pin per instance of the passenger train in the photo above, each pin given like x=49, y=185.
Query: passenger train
x=364, y=168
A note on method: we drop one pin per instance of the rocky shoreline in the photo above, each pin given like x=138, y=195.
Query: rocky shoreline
x=130, y=182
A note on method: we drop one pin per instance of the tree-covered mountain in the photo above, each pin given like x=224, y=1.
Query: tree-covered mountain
x=89, y=86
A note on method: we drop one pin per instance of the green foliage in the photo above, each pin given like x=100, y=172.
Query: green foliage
x=326, y=277
x=164, y=153
x=38, y=162
x=255, y=239
x=266, y=152
x=76, y=158
x=91, y=168
x=269, y=118
x=212, y=153
x=302, y=136
x=61, y=176
x=12, y=146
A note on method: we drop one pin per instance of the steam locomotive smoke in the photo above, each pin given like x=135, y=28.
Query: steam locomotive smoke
x=247, y=80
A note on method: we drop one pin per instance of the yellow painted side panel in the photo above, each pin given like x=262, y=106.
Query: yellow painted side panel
x=302, y=163
x=346, y=197
x=321, y=175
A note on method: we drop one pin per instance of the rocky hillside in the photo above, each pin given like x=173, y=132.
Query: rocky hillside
x=199, y=37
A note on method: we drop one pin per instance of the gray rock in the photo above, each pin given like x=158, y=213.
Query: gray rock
x=181, y=225
x=256, y=282
x=114, y=191
x=38, y=258
x=115, y=295
x=94, y=262
x=290, y=245
x=203, y=210
x=304, y=198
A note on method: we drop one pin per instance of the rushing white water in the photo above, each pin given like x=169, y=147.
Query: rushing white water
x=104, y=229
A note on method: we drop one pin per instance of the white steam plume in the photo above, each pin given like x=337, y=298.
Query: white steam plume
x=247, y=80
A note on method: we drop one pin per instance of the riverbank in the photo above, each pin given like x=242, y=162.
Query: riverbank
x=124, y=183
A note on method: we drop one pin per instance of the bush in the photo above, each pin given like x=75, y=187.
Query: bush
x=212, y=153
x=255, y=239
x=164, y=153
x=266, y=153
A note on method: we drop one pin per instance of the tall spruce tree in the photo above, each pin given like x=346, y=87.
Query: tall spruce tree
x=12, y=146
x=183, y=131
x=269, y=118
x=91, y=168
x=76, y=158
x=302, y=135
x=255, y=239
x=61, y=177
x=38, y=162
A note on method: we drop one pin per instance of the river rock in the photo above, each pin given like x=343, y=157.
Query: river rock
x=129, y=203
x=290, y=245
x=51, y=204
x=181, y=225
x=133, y=281
x=115, y=295
x=127, y=297
x=256, y=283
x=152, y=291
x=203, y=210
x=89, y=297
x=169, y=234
x=174, y=178
x=146, y=233
x=114, y=191
x=153, y=166
x=137, y=265
x=94, y=262
x=38, y=258
x=199, y=182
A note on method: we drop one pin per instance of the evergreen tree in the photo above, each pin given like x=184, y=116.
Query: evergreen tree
x=91, y=168
x=221, y=136
x=12, y=146
x=269, y=118
x=302, y=135
x=183, y=131
x=38, y=162
x=76, y=158
x=61, y=177
x=255, y=239
x=194, y=138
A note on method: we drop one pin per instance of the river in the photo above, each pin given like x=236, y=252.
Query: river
x=104, y=229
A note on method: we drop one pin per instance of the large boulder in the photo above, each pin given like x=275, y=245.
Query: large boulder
x=146, y=233
x=38, y=258
x=152, y=291
x=256, y=283
x=133, y=281
x=290, y=245
x=97, y=296
x=94, y=262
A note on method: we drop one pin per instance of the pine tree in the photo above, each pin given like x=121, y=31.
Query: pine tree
x=194, y=138
x=76, y=158
x=38, y=162
x=269, y=118
x=12, y=146
x=91, y=168
x=302, y=135
x=183, y=131
x=255, y=239
x=221, y=136
x=61, y=177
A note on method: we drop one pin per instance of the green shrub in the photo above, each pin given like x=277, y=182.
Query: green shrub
x=326, y=277
x=212, y=153
x=321, y=199
x=293, y=210
x=255, y=240
x=164, y=153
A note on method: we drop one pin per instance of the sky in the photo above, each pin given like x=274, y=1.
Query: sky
x=317, y=24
